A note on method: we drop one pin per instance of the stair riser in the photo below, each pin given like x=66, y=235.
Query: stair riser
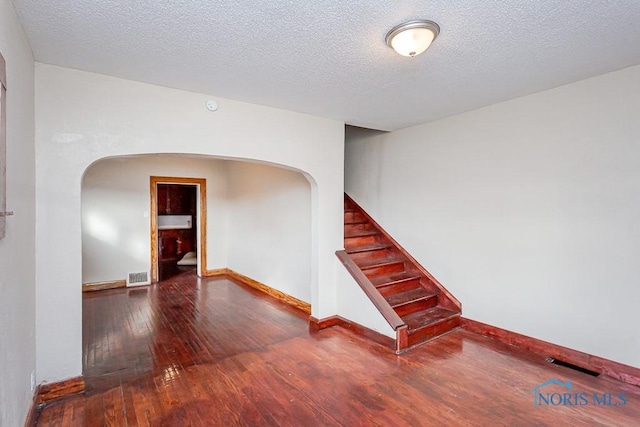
x=360, y=240
x=433, y=331
x=399, y=287
x=350, y=228
x=354, y=216
x=396, y=267
x=354, y=222
x=370, y=255
x=428, y=285
x=405, y=309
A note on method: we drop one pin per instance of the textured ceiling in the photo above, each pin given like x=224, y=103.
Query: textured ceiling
x=329, y=58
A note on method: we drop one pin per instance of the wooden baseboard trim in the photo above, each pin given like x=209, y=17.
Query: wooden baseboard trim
x=101, y=286
x=58, y=390
x=328, y=322
x=301, y=305
x=319, y=324
x=619, y=371
x=216, y=272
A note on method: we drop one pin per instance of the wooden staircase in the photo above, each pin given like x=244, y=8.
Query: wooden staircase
x=414, y=303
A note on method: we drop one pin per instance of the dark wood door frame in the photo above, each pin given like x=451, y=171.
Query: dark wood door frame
x=202, y=220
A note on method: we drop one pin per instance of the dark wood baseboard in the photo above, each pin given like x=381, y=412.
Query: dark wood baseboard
x=299, y=304
x=619, y=371
x=101, y=286
x=328, y=322
x=54, y=391
x=216, y=272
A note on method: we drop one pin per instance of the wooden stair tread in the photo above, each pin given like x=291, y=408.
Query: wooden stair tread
x=360, y=233
x=410, y=296
x=390, y=279
x=380, y=262
x=354, y=221
x=424, y=318
x=367, y=248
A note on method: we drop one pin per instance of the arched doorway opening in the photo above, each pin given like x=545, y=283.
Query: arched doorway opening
x=257, y=220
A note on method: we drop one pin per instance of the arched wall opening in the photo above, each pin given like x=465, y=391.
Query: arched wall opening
x=259, y=218
x=85, y=117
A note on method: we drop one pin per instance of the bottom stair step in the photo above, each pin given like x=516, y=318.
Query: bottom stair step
x=428, y=324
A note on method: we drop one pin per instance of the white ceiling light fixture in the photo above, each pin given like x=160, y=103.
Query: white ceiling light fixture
x=413, y=37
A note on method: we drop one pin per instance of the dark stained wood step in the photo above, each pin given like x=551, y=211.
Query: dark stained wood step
x=364, y=239
x=433, y=331
x=399, y=287
x=380, y=267
x=360, y=233
x=410, y=296
x=367, y=248
x=358, y=226
x=391, y=279
x=412, y=301
x=355, y=221
x=354, y=216
x=416, y=306
x=373, y=263
x=422, y=319
x=359, y=257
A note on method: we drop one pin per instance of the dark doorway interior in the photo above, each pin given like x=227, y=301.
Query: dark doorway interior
x=177, y=229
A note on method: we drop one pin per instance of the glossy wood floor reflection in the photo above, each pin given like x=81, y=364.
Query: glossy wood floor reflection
x=192, y=352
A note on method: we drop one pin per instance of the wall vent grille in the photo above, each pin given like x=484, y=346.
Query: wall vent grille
x=138, y=279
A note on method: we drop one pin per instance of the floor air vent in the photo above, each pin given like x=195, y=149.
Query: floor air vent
x=572, y=366
x=138, y=279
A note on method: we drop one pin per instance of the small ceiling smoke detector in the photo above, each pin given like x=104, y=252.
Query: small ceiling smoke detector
x=212, y=105
x=413, y=37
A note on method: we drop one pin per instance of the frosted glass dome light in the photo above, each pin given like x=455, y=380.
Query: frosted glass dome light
x=413, y=37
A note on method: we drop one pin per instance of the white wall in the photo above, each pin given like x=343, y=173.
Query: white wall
x=115, y=196
x=269, y=224
x=17, y=250
x=527, y=210
x=355, y=305
x=83, y=117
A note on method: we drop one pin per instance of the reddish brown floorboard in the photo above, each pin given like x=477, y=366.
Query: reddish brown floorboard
x=213, y=352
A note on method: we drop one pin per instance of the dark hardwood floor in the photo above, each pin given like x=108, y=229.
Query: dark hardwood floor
x=212, y=352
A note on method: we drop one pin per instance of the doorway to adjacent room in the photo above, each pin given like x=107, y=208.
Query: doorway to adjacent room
x=178, y=230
